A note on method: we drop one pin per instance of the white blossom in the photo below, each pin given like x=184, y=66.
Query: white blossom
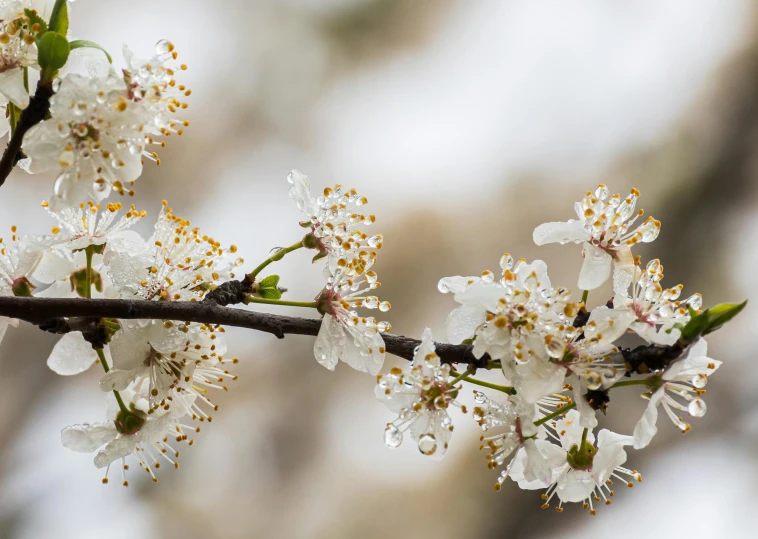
x=149, y=445
x=421, y=398
x=17, y=50
x=95, y=136
x=152, y=82
x=656, y=310
x=176, y=358
x=684, y=379
x=605, y=228
x=520, y=436
x=582, y=472
x=345, y=336
x=18, y=260
x=177, y=263
x=333, y=219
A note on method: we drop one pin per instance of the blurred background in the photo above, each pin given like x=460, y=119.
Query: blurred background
x=466, y=124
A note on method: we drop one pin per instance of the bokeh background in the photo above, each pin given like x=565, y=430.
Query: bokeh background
x=466, y=124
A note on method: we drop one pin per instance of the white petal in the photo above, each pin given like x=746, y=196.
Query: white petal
x=88, y=437
x=119, y=380
x=12, y=87
x=587, y=416
x=696, y=362
x=596, y=268
x=563, y=232
x=455, y=284
x=129, y=348
x=462, y=322
x=609, y=324
x=481, y=295
x=328, y=343
x=575, y=486
x=538, y=378
x=71, y=355
x=53, y=268
x=646, y=429
x=116, y=449
x=621, y=281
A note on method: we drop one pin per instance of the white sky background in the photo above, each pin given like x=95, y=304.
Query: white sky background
x=500, y=87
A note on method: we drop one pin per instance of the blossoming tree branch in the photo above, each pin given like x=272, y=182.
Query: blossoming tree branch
x=152, y=312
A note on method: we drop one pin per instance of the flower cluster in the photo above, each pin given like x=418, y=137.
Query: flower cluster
x=344, y=335
x=559, y=360
x=160, y=374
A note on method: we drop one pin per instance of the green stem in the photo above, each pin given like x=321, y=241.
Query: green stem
x=584, y=436
x=12, y=117
x=26, y=79
x=504, y=389
x=88, y=276
x=585, y=295
x=461, y=376
x=273, y=258
x=309, y=304
x=642, y=382
x=106, y=368
x=560, y=411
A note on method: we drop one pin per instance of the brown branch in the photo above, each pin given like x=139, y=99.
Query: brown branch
x=39, y=106
x=62, y=315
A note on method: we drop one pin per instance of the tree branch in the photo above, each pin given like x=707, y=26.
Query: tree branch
x=39, y=106
x=51, y=314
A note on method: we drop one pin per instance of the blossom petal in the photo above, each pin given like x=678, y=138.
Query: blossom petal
x=462, y=322
x=328, y=342
x=696, y=362
x=608, y=325
x=538, y=378
x=646, y=429
x=596, y=268
x=71, y=355
x=88, y=437
x=119, y=380
x=129, y=348
x=561, y=232
x=12, y=86
x=587, y=416
x=574, y=486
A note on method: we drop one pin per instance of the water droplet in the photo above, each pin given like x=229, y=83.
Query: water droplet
x=427, y=444
x=392, y=436
x=695, y=301
x=696, y=407
x=164, y=46
x=593, y=380
x=699, y=380
x=506, y=261
x=443, y=287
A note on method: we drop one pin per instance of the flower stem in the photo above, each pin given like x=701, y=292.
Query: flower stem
x=88, y=276
x=309, y=304
x=104, y=363
x=585, y=295
x=560, y=411
x=12, y=117
x=641, y=382
x=584, y=436
x=504, y=389
x=273, y=258
x=469, y=371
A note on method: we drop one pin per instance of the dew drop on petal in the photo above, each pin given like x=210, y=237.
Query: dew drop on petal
x=593, y=380
x=696, y=407
x=427, y=444
x=699, y=380
x=392, y=436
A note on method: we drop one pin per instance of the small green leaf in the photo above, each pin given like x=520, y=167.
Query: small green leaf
x=59, y=18
x=695, y=327
x=53, y=51
x=34, y=18
x=270, y=293
x=269, y=282
x=721, y=314
x=84, y=44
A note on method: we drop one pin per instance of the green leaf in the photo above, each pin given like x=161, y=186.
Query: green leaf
x=59, y=18
x=270, y=293
x=270, y=282
x=53, y=51
x=34, y=18
x=721, y=314
x=695, y=327
x=84, y=44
